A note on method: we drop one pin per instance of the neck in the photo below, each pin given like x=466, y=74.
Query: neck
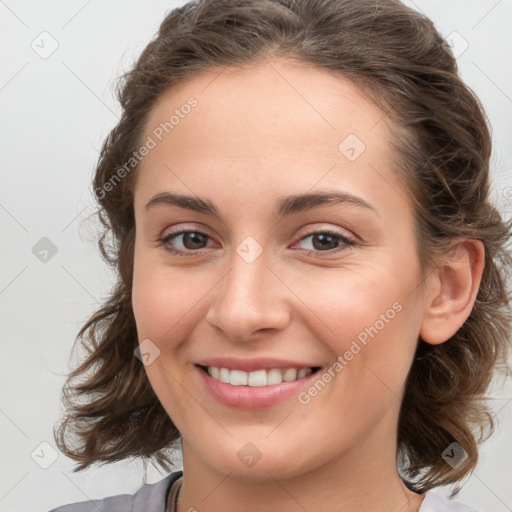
x=364, y=478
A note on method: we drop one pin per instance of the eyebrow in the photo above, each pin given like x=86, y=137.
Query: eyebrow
x=285, y=205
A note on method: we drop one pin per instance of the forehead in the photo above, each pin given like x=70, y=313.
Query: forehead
x=269, y=103
x=278, y=124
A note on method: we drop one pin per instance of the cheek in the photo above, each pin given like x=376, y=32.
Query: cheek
x=165, y=305
x=167, y=302
x=373, y=324
x=155, y=302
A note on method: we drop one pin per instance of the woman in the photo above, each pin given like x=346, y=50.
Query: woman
x=311, y=294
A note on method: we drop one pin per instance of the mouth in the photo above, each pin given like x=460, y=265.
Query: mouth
x=261, y=384
x=258, y=378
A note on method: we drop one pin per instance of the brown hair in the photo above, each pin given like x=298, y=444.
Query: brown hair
x=398, y=58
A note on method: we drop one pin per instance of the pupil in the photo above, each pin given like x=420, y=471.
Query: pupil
x=194, y=239
x=323, y=238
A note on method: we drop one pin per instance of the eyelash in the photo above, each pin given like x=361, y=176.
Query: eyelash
x=347, y=242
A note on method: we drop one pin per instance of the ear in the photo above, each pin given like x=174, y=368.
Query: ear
x=451, y=290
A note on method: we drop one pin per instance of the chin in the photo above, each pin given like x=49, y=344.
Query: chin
x=250, y=463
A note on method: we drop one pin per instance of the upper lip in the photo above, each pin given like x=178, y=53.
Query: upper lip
x=249, y=365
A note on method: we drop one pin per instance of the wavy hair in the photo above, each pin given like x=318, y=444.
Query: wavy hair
x=396, y=56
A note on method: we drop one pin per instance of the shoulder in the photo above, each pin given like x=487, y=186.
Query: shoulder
x=435, y=502
x=149, y=498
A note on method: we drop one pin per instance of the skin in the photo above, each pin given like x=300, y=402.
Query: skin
x=258, y=133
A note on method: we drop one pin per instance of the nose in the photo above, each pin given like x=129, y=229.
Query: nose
x=249, y=300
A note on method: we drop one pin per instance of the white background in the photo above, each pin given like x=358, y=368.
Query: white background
x=55, y=114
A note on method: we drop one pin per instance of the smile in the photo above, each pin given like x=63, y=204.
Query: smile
x=263, y=383
x=263, y=377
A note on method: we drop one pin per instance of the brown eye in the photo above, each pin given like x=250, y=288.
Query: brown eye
x=185, y=240
x=194, y=240
x=324, y=241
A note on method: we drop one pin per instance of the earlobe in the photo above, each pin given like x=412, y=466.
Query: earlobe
x=452, y=290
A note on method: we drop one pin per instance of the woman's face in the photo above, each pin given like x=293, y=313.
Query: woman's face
x=266, y=279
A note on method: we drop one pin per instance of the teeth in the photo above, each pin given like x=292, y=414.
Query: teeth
x=238, y=378
x=303, y=372
x=290, y=374
x=224, y=375
x=274, y=377
x=258, y=377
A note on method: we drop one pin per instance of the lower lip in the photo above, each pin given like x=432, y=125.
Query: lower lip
x=253, y=397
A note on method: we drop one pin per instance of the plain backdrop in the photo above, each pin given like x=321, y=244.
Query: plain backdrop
x=59, y=65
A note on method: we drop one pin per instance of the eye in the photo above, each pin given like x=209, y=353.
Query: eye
x=188, y=242
x=326, y=241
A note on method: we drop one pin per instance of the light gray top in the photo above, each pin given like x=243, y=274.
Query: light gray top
x=153, y=498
